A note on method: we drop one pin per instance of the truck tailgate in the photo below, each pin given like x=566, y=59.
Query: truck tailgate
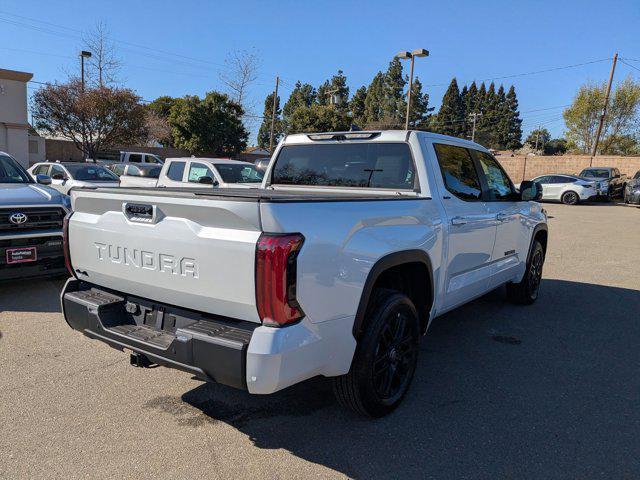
x=192, y=252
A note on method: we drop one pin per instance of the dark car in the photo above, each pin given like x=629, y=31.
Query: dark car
x=632, y=190
x=611, y=182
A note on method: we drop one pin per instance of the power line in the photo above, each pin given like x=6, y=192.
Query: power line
x=527, y=73
x=629, y=65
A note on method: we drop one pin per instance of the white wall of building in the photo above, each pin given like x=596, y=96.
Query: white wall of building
x=14, y=126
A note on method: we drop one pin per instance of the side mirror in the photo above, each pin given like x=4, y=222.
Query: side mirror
x=530, y=191
x=207, y=181
x=43, y=179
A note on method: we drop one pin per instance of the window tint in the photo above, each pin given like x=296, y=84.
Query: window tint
x=57, y=172
x=91, y=173
x=498, y=183
x=458, y=172
x=12, y=172
x=41, y=170
x=361, y=165
x=176, y=170
x=199, y=170
x=151, y=159
x=543, y=180
x=135, y=158
x=118, y=169
x=133, y=171
x=563, y=179
x=238, y=173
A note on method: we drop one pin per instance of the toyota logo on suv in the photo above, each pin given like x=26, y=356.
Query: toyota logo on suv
x=18, y=218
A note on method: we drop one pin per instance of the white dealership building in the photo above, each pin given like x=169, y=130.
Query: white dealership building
x=15, y=136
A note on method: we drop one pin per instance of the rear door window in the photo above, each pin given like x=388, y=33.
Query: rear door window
x=135, y=158
x=359, y=165
x=176, y=171
x=458, y=172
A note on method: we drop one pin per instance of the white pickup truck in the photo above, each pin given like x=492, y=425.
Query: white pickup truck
x=354, y=243
x=197, y=172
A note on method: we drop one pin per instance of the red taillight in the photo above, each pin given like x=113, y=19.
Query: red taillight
x=65, y=243
x=276, y=278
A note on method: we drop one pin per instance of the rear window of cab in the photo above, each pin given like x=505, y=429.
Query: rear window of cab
x=360, y=165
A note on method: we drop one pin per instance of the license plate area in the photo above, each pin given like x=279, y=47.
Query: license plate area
x=21, y=255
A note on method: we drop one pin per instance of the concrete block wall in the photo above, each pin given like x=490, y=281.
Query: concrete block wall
x=541, y=165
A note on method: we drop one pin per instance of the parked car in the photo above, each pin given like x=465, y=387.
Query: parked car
x=129, y=157
x=632, y=190
x=66, y=175
x=568, y=189
x=611, y=182
x=196, y=172
x=31, y=218
x=354, y=244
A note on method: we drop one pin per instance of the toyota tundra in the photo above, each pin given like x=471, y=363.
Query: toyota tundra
x=336, y=266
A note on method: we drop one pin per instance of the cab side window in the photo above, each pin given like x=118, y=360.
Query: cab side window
x=176, y=171
x=135, y=158
x=498, y=185
x=57, y=172
x=41, y=170
x=458, y=172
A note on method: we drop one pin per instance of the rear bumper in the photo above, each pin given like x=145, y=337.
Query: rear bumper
x=240, y=354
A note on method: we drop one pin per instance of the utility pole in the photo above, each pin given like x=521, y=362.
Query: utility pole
x=273, y=114
x=604, y=109
x=474, y=116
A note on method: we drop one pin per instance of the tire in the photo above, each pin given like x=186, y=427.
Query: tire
x=385, y=359
x=570, y=198
x=526, y=292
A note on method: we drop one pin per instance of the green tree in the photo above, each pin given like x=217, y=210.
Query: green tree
x=470, y=106
x=555, y=146
x=303, y=95
x=538, y=137
x=264, y=133
x=373, y=101
x=318, y=118
x=393, y=102
x=621, y=121
x=419, y=114
x=212, y=124
x=514, y=133
x=487, y=125
x=158, y=119
x=450, y=118
x=357, y=106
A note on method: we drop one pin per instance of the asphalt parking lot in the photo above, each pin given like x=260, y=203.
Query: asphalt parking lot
x=502, y=391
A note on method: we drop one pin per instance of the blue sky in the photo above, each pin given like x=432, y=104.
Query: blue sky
x=310, y=41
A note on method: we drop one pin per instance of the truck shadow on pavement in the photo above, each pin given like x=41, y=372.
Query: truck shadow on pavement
x=31, y=295
x=501, y=391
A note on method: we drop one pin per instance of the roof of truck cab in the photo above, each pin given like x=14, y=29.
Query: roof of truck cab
x=208, y=159
x=380, y=135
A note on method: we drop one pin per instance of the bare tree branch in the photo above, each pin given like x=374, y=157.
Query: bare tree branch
x=104, y=65
x=242, y=71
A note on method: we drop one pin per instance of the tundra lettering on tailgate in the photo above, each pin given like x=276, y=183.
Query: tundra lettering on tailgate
x=147, y=260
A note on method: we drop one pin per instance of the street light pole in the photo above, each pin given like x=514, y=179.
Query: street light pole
x=83, y=54
x=421, y=52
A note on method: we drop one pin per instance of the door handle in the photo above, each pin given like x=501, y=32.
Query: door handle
x=501, y=217
x=459, y=221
